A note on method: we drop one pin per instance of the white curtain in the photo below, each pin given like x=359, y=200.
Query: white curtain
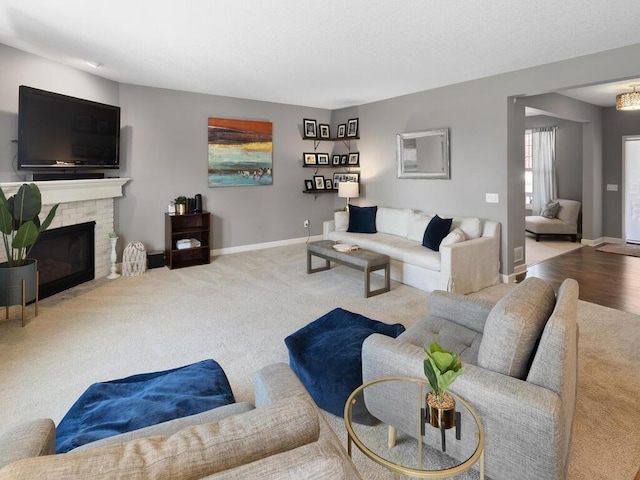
x=543, y=159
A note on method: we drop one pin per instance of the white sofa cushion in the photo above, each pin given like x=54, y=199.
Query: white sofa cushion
x=455, y=236
x=394, y=221
x=341, y=219
x=417, y=224
x=471, y=226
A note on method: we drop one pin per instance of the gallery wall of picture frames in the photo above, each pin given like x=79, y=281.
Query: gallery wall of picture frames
x=319, y=132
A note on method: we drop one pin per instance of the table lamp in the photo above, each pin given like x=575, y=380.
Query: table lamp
x=348, y=190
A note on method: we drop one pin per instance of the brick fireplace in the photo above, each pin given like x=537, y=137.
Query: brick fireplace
x=80, y=201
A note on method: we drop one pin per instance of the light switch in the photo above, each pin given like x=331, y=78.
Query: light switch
x=492, y=198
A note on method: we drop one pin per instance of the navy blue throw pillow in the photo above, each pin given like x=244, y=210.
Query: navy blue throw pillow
x=437, y=229
x=362, y=219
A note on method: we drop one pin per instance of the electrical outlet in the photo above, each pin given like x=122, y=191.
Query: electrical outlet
x=306, y=224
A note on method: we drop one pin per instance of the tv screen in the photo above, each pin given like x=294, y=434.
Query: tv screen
x=58, y=131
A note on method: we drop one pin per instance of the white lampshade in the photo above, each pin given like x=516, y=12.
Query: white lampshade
x=348, y=190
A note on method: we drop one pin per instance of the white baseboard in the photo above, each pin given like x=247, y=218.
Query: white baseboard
x=592, y=243
x=613, y=240
x=517, y=270
x=261, y=246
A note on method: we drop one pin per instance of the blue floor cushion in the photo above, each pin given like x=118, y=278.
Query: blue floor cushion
x=327, y=357
x=118, y=406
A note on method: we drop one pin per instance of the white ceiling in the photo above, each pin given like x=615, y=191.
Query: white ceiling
x=329, y=54
x=603, y=94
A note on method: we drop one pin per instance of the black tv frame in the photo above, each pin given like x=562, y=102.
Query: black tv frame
x=76, y=157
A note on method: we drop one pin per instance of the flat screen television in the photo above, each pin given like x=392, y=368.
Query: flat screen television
x=60, y=132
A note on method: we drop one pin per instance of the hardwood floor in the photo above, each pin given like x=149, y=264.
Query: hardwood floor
x=605, y=278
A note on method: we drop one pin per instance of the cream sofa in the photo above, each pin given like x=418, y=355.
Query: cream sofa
x=564, y=223
x=285, y=437
x=468, y=259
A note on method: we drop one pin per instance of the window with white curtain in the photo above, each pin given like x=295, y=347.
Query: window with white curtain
x=540, y=144
x=528, y=170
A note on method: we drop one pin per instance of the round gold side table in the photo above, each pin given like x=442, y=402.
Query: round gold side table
x=383, y=456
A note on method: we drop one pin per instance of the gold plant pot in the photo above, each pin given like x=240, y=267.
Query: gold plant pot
x=439, y=415
x=181, y=208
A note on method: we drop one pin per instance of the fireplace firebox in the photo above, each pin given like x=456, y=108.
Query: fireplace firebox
x=66, y=257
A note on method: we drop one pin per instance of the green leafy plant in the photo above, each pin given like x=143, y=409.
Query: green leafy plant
x=441, y=367
x=181, y=199
x=19, y=222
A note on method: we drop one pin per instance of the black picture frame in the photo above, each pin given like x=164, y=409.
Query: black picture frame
x=322, y=158
x=325, y=131
x=309, y=128
x=309, y=158
x=328, y=184
x=335, y=160
x=342, y=130
x=344, y=159
x=308, y=184
x=318, y=182
x=352, y=128
x=354, y=159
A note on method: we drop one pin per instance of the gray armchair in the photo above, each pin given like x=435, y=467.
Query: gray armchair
x=519, y=373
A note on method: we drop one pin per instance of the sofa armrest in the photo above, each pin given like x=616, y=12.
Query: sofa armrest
x=522, y=421
x=466, y=311
x=170, y=427
x=472, y=264
x=276, y=382
x=30, y=439
x=328, y=226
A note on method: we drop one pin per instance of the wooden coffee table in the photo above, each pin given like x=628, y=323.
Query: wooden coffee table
x=364, y=260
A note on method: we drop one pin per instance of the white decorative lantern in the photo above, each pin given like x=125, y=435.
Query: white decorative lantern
x=134, y=260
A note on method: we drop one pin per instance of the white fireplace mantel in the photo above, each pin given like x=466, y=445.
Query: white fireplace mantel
x=66, y=191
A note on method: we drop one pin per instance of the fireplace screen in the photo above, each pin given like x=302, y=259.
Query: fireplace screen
x=66, y=257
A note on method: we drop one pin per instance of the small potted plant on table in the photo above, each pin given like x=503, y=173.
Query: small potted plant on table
x=441, y=367
x=181, y=205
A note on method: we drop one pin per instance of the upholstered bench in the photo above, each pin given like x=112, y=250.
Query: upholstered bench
x=110, y=408
x=326, y=355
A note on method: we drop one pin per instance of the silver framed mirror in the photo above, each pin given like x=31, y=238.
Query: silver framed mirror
x=424, y=154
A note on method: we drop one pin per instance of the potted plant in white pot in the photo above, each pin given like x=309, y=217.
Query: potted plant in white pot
x=441, y=367
x=20, y=227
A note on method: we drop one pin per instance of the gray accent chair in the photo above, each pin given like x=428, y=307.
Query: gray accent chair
x=565, y=223
x=519, y=374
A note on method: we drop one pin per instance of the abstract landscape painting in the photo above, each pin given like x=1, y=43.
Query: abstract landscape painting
x=240, y=153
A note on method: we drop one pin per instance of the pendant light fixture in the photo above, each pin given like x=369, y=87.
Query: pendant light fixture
x=629, y=100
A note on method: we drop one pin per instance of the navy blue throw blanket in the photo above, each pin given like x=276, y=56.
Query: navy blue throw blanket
x=110, y=408
x=326, y=355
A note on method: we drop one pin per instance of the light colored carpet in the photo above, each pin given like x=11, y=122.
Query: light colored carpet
x=239, y=309
x=548, y=247
x=621, y=249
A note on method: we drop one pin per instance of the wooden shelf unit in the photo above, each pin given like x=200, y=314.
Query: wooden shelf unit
x=179, y=227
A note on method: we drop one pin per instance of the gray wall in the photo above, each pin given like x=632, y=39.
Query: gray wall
x=164, y=148
x=486, y=121
x=20, y=68
x=568, y=154
x=615, y=125
x=165, y=154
